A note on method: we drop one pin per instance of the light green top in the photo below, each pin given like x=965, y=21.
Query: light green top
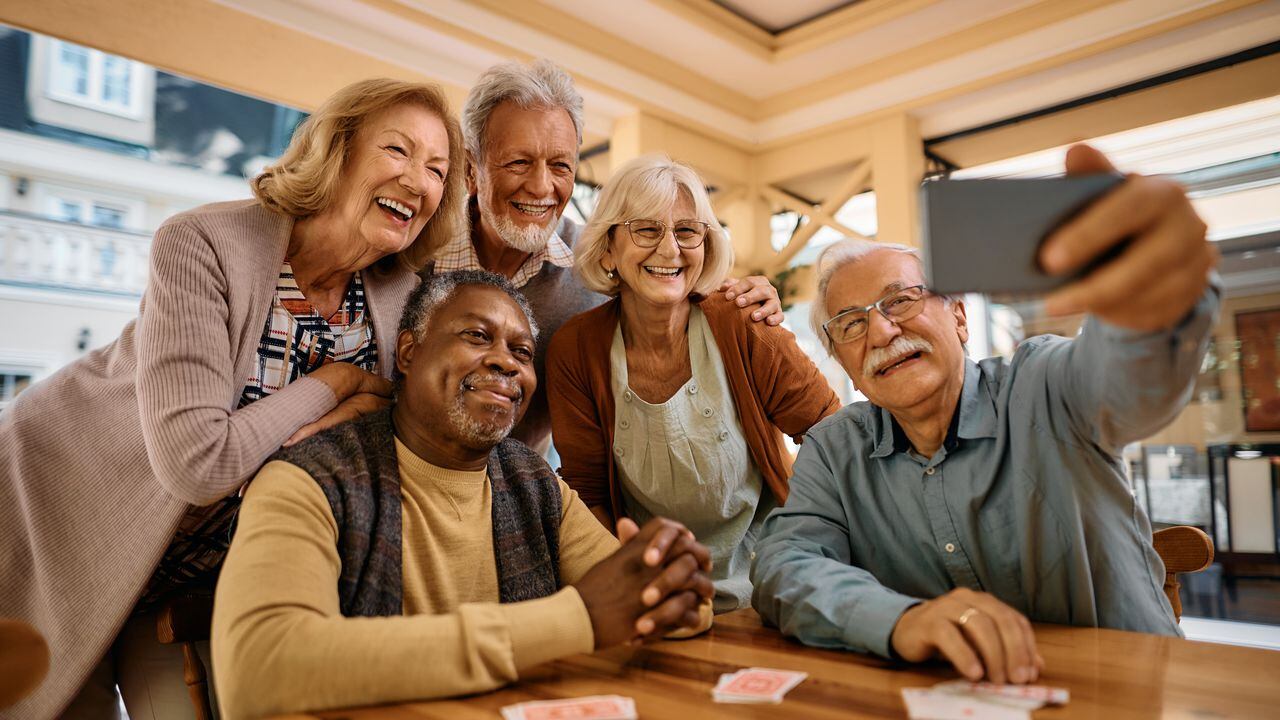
x=687, y=459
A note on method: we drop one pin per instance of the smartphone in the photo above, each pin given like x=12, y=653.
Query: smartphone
x=984, y=236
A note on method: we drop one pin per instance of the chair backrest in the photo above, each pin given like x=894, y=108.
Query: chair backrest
x=24, y=660
x=1184, y=549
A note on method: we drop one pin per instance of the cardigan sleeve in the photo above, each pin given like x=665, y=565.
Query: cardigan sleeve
x=576, y=426
x=199, y=449
x=792, y=390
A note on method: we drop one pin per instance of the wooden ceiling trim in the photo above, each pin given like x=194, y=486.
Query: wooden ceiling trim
x=966, y=40
x=593, y=39
x=840, y=24
x=1156, y=29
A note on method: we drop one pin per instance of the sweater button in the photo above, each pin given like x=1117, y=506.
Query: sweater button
x=693, y=389
x=708, y=412
x=724, y=435
x=627, y=396
x=928, y=471
x=621, y=452
x=624, y=424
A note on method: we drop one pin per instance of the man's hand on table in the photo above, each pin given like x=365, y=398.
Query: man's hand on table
x=651, y=586
x=977, y=633
x=1154, y=282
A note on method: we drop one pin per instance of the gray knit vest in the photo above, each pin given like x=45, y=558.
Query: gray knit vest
x=355, y=465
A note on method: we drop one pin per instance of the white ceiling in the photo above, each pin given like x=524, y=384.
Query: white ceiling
x=1083, y=52
x=658, y=29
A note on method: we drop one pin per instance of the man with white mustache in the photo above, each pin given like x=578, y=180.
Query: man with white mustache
x=967, y=499
x=523, y=130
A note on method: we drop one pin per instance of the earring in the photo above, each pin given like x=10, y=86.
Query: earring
x=611, y=274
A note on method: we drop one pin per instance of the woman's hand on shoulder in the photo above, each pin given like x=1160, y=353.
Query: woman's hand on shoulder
x=359, y=392
x=345, y=380
x=755, y=290
x=349, y=409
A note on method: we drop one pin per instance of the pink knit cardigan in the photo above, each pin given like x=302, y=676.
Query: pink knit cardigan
x=100, y=461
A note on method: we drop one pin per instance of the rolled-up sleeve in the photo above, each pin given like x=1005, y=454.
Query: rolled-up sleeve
x=802, y=577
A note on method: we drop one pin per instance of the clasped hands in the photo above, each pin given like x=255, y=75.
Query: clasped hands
x=653, y=585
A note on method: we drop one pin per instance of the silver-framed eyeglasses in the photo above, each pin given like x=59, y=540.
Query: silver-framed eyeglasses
x=897, y=307
x=689, y=234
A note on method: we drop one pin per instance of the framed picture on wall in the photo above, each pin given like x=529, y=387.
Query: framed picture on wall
x=1259, y=334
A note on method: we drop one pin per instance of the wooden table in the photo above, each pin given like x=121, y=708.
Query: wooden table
x=1110, y=674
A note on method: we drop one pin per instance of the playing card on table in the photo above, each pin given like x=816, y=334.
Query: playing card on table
x=596, y=707
x=1031, y=697
x=929, y=704
x=756, y=685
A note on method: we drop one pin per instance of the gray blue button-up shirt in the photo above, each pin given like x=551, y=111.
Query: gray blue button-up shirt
x=1026, y=499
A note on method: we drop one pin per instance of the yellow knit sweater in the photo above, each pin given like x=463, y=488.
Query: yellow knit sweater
x=280, y=643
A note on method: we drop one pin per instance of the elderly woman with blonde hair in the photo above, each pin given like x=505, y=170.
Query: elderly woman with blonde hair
x=263, y=321
x=664, y=401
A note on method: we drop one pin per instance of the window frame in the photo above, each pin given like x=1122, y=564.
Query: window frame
x=95, y=82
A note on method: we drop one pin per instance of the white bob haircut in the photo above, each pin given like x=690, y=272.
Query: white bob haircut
x=842, y=253
x=540, y=84
x=647, y=187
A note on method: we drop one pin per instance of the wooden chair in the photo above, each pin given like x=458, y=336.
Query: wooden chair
x=186, y=620
x=24, y=661
x=1184, y=549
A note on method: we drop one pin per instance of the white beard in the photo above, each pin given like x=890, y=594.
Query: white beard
x=525, y=238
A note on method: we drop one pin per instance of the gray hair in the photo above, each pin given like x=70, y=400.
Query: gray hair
x=838, y=255
x=647, y=187
x=436, y=290
x=541, y=84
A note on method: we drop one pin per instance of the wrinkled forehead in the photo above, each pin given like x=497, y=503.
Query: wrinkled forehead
x=546, y=130
x=871, y=277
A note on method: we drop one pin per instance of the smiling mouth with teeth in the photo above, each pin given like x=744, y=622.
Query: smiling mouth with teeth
x=666, y=272
x=532, y=209
x=398, y=210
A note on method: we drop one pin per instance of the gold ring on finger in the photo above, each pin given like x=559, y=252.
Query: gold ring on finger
x=966, y=615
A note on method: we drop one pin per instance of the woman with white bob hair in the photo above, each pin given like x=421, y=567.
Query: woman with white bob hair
x=665, y=401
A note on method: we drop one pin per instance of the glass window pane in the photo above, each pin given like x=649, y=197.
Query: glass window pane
x=107, y=217
x=71, y=70
x=116, y=77
x=67, y=210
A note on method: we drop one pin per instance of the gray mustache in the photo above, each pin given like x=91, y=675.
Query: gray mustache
x=902, y=346
x=494, y=380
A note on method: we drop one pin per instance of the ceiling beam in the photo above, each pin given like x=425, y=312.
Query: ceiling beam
x=723, y=23
x=1252, y=80
x=192, y=38
x=566, y=27
x=962, y=41
x=854, y=18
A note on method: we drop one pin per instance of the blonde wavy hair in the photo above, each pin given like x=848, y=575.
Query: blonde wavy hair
x=647, y=187
x=305, y=179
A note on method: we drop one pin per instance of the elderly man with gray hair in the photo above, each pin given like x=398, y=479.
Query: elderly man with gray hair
x=417, y=552
x=967, y=498
x=523, y=130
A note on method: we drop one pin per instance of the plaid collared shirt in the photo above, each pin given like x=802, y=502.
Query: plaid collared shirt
x=295, y=341
x=460, y=254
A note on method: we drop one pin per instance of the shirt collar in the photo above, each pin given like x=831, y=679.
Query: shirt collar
x=976, y=417
x=460, y=254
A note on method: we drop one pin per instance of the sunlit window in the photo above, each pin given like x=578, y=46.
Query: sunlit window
x=93, y=79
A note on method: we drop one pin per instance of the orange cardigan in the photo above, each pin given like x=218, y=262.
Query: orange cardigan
x=775, y=387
